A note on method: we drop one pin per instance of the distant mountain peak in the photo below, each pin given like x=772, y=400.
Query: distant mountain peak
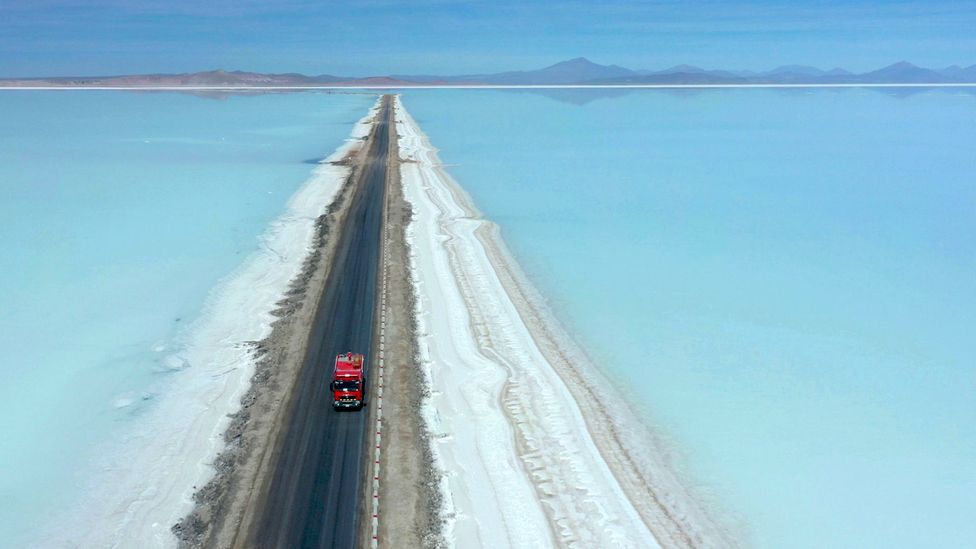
x=903, y=71
x=901, y=65
x=805, y=70
x=579, y=69
x=578, y=63
x=682, y=68
x=959, y=72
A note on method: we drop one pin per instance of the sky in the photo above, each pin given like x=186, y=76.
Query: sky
x=375, y=37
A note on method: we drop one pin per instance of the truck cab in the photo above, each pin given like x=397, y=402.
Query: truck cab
x=349, y=382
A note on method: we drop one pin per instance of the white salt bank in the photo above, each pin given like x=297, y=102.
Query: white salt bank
x=521, y=468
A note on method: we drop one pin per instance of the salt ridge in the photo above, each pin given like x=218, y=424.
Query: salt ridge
x=520, y=467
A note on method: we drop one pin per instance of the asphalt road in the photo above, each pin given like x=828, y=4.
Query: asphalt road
x=315, y=495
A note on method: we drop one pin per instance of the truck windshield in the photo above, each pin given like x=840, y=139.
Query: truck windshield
x=346, y=385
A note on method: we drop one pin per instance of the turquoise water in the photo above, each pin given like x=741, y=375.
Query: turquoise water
x=120, y=212
x=785, y=280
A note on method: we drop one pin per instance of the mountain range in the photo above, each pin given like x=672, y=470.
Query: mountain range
x=579, y=71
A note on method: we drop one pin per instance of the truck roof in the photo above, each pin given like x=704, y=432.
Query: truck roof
x=349, y=364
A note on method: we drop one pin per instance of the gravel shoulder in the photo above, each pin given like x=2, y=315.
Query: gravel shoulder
x=409, y=509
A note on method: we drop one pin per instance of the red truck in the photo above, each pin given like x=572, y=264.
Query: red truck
x=349, y=382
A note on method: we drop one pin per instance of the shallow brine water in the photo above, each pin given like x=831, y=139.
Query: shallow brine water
x=785, y=281
x=121, y=212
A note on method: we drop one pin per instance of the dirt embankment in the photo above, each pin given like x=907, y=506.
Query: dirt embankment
x=409, y=509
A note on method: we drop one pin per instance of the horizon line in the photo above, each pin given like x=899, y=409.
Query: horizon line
x=500, y=86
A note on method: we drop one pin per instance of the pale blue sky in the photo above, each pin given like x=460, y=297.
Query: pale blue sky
x=359, y=37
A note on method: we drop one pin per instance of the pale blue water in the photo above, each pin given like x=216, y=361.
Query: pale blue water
x=785, y=280
x=119, y=213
